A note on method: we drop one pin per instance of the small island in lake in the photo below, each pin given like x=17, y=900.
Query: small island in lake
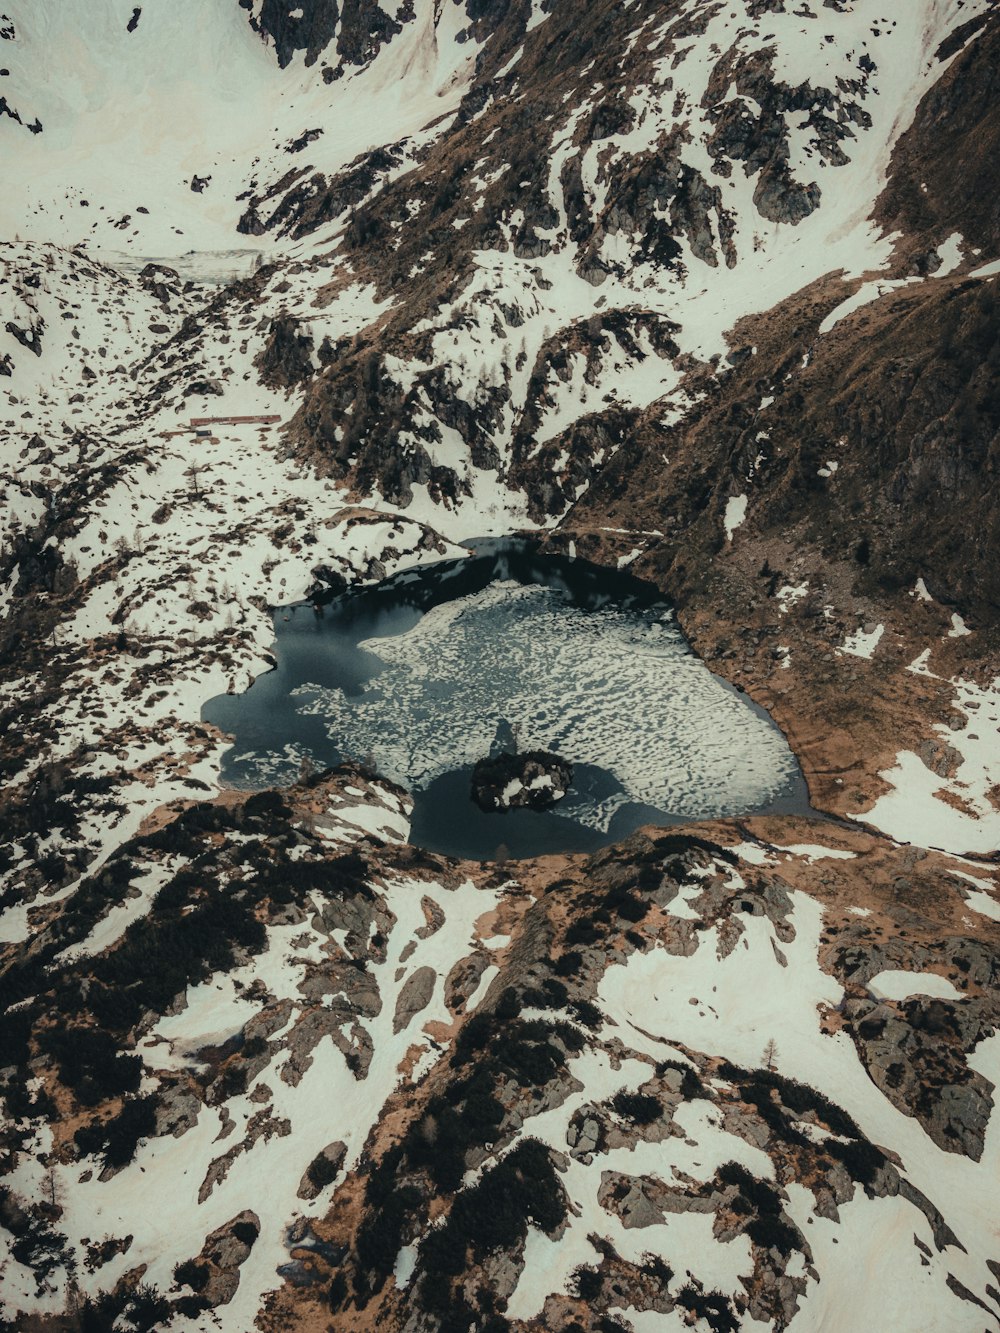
x=534, y=780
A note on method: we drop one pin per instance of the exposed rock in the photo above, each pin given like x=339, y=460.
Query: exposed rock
x=322, y=1170
x=287, y=356
x=415, y=996
x=534, y=780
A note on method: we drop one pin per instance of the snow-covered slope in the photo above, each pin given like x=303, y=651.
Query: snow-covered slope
x=654, y=1082
x=142, y=136
x=632, y=275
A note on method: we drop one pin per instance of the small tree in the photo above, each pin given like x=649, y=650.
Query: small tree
x=770, y=1054
x=194, y=471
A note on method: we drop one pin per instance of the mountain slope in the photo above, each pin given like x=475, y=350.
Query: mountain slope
x=707, y=291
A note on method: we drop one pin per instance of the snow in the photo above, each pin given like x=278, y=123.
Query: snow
x=872, y=1273
x=917, y=807
x=214, y=1012
x=919, y=667
x=958, y=627
x=863, y=644
x=897, y=985
x=984, y=904
x=950, y=254
x=736, y=512
x=324, y=1103
x=866, y=293
x=739, y=1003
x=788, y=595
x=685, y=1239
x=130, y=119
x=813, y=852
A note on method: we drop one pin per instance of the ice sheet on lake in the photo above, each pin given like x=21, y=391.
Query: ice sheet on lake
x=603, y=687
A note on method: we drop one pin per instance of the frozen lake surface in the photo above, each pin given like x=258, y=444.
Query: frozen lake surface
x=416, y=675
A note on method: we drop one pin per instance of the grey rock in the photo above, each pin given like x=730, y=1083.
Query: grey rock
x=414, y=996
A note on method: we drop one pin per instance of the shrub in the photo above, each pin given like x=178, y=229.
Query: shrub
x=381, y=1234
x=119, y=1137
x=692, y=1087
x=91, y=1063
x=770, y=1232
x=760, y=1194
x=322, y=1171
x=192, y=1273
x=800, y=1097
x=588, y=1283
x=336, y=1296
x=495, y=1213
x=582, y=931
x=568, y=963
x=657, y=1269
x=639, y=1107
x=712, y=1306
x=245, y=1232
x=266, y=803
x=444, y=1252
x=588, y=1014
x=861, y=1158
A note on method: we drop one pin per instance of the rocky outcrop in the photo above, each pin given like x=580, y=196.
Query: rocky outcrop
x=414, y=997
x=287, y=358
x=215, y=1274
x=535, y=780
x=297, y=25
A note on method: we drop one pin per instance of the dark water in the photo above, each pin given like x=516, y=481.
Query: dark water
x=585, y=661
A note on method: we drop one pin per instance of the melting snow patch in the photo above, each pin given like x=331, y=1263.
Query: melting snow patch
x=863, y=644
x=813, y=852
x=736, y=512
x=894, y=984
x=919, y=665
x=789, y=595
x=954, y=813
x=958, y=627
x=983, y=904
x=950, y=254
x=865, y=294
